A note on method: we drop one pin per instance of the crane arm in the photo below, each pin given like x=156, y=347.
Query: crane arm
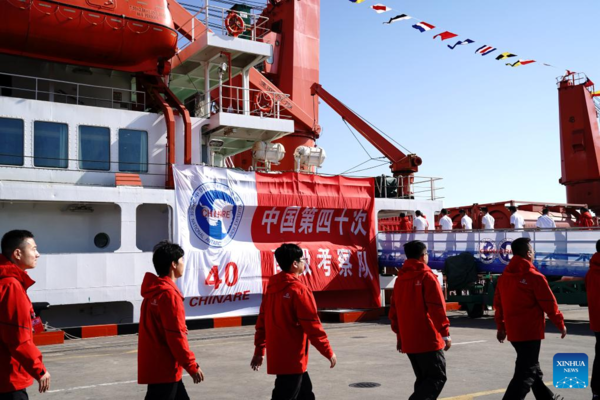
x=401, y=164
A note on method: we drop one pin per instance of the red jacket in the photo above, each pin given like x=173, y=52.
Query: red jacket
x=406, y=224
x=163, y=347
x=418, y=309
x=592, y=286
x=20, y=360
x=586, y=219
x=288, y=320
x=522, y=297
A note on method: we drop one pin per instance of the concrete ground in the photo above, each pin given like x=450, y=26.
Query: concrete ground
x=478, y=366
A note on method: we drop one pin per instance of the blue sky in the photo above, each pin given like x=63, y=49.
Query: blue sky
x=490, y=131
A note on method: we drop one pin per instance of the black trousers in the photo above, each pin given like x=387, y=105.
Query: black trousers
x=528, y=374
x=595, y=384
x=430, y=370
x=167, y=391
x=293, y=387
x=18, y=395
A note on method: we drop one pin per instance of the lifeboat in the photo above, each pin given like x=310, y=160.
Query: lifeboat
x=126, y=35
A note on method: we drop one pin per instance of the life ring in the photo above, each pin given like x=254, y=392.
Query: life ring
x=235, y=24
x=258, y=100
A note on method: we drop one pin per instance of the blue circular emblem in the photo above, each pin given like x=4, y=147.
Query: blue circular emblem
x=215, y=213
x=487, y=251
x=505, y=251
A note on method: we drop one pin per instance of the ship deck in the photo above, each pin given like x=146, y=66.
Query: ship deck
x=478, y=366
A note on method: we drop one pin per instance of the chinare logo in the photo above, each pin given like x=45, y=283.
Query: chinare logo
x=215, y=213
x=570, y=371
x=505, y=251
x=487, y=251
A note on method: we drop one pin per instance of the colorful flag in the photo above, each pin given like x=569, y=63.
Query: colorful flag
x=356, y=1
x=461, y=43
x=423, y=26
x=380, y=8
x=520, y=62
x=446, y=35
x=596, y=93
x=588, y=82
x=485, y=50
x=397, y=18
x=505, y=55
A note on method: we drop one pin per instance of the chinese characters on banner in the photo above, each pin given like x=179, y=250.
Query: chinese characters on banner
x=230, y=223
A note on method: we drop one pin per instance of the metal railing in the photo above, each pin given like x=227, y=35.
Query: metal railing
x=57, y=91
x=238, y=100
x=213, y=19
x=414, y=188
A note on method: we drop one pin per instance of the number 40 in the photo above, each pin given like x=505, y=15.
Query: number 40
x=231, y=275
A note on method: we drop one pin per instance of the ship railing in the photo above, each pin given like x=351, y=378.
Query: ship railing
x=412, y=188
x=213, y=19
x=238, y=100
x=58, y=91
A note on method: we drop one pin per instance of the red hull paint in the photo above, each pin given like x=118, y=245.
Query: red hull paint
x=112, y=34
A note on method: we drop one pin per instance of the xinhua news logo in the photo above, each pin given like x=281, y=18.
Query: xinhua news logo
x=570, y=371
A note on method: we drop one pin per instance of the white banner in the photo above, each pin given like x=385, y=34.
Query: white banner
x=214, y=211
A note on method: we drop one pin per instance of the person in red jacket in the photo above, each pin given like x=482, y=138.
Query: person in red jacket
x=521, y=299
x=592, y=286
x=405, y=223
x=418, y=318
x=585, y=219
x=163, y=350
x=288, y=320
x=20, y=360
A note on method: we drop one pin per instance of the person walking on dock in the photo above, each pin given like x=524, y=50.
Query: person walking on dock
x=544, y=221
x=592, y=285
x=287, y=321
x=445, y=221
x=163, y=350
x=487, y=221
x=20, y=360
x=521, y=299
x=418, y=318
x=516, y=220
x=465, y=221
x=420, y=224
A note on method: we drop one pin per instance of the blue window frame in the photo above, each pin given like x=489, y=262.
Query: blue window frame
x=12, y=138
x=133, y=150
x=94, y=148
x=50, y=144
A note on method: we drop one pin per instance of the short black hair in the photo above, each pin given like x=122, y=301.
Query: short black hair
x=512, y=208
x=462, y=211
x=402, y=215
x=286, y=254
x=520, y=246
x=583, y=210
x=414, y=249
x=545, y=211
x=418, y=213
x=484, y=209
x=444, y=211
x=166, y=253
x=598, y=246
x=14, y=240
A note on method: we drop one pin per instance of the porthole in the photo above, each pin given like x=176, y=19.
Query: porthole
x=101, y=240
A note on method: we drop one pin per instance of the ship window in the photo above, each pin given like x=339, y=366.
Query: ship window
x=133, y=150
x=11, y=141
x=94, y=148
x=50, y=144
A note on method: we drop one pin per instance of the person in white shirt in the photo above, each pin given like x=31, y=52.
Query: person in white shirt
x=544, y=221
x=516, y=220
x=445, y=221
x=465, y=221
x=487, y=221
x=420, y=224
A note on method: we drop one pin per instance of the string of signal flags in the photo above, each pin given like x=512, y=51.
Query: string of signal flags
x=483, y=50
